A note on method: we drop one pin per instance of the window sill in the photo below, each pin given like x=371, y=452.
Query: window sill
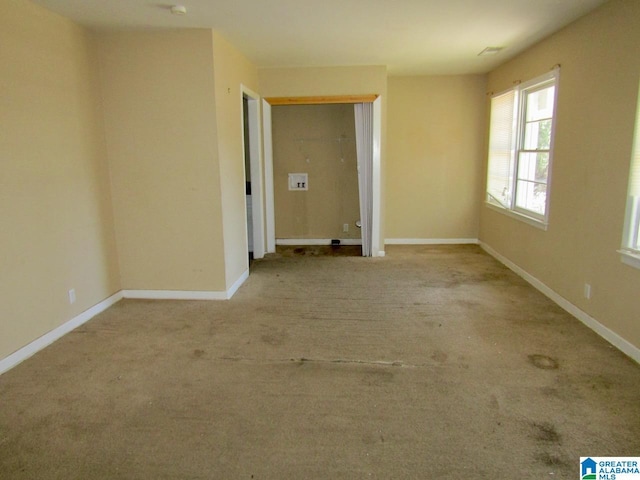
x=629, y=258
x=518, y=216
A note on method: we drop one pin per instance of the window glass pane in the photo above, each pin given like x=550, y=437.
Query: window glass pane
x=634, y=174
x=631, y=238
x=542, y=167
x=527, y=166
x=533, y=166
x=632, y=224
x=531, y=196
x=635, y=244
x=500, y=168
x=498, y=180
x=520, y=141
x=537, y=135
x=539, y=104
x=631, y=234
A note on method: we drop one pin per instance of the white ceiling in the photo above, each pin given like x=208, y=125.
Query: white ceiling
x=411, y=37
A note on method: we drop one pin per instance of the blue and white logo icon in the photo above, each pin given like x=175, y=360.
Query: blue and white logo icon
x=609, y=468
x=588, y=469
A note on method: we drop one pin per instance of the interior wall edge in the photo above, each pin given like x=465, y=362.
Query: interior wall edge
x=48, y=338
x=609, y=335
x=174, y=294
x=237, y=284
x=187, y=294
x=431, y=241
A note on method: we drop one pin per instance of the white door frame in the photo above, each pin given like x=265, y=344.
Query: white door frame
x=268, y=177
x=255, y=162
x=377, y=250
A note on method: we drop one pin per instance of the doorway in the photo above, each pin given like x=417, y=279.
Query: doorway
x=318, y=143
x=377, y=245
x=254, y=194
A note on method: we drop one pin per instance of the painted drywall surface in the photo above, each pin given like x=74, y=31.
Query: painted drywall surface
x=161, y=137
x=232, y=70
x=312, y=81
x=598, y=88
x=55, y=205
x=318, y=140
x=302, y=82
x=435, y=156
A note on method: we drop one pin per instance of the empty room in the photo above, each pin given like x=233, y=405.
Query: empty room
x=275, y=240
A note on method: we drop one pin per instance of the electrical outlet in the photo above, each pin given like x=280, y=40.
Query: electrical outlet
x=298, y=181
x=345, y=227
x=587, y=291
x=72, y=296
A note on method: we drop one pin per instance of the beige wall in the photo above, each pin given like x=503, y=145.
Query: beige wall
x=435, y=155
x=595, y=119
x=232, y=70
x=55, y=206
x=160, y=116
x=166, y=107
x=318, y=140
x=302, y=82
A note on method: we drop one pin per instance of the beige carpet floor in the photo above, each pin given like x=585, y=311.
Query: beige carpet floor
x=433, y=362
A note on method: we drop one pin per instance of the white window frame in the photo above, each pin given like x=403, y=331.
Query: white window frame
x=516, y=137
x=630, y=250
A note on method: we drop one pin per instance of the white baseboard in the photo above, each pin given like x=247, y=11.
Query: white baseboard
x=431, y=241
x=48, y=338
x=186, y=294
x=609, y=335
x=316, y=241
x=238, y=283
x=174, y=295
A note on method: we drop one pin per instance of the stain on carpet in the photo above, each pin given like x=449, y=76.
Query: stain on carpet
x=553, y=461
x=439, y=356
x=545, y=433
x=544, y=362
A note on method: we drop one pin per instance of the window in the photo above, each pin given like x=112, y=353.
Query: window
x=521, y=148
x=631, y=236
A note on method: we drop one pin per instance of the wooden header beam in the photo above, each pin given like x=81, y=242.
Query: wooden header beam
x=321, y=100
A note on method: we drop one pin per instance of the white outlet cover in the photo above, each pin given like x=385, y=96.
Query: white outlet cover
x=298, y=181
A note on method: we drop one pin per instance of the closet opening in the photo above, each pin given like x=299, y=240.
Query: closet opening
x=322, y=168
